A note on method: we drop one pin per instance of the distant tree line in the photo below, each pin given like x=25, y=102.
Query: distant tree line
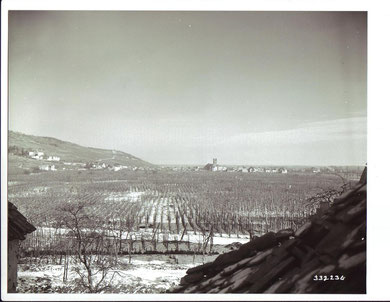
x=17, y=151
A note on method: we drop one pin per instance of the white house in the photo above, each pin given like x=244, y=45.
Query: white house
x=119, y=167
x=47, y=168
x=36, y=155
x=53, y=158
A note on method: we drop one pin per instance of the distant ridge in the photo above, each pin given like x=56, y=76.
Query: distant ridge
x=19, y=144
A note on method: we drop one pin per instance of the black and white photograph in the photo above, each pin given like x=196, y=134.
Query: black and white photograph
x=185, y=152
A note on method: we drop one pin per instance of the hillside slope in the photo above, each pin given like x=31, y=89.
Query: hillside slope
x=20, y=144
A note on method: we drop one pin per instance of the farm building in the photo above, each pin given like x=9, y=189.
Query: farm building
x=208, y=167
x=36, y=154
x=18, y=228
x=118, y=167
x=53, y=158
x=47, y=168
x=96, y=165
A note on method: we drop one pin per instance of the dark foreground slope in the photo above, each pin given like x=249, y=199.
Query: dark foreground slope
x=326, y=255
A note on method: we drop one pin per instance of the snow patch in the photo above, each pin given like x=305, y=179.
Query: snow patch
x=125, y=196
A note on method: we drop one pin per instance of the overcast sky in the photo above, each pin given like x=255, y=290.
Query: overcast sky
x=183, y=87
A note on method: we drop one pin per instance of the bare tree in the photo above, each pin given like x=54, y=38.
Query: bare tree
x=129, y=224
x=207, y=237
x=90, y=246
x=166, y=241
x=326, y=196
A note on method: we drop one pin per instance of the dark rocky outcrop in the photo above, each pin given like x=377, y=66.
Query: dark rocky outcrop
x=325, y=255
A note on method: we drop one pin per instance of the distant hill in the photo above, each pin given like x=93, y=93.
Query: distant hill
x=70, y=154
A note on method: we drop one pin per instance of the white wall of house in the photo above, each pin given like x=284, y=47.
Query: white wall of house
x=53, y=158
x=36, y=155
x=48, y=168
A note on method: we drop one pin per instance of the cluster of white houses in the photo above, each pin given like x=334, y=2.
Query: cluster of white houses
x=217, y=168
x=99, y=166
x=40, y=156
x=47, y=168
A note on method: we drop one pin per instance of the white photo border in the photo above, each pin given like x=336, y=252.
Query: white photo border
x=378, y=147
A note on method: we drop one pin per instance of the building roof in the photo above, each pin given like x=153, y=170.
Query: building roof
x=208, y=166
x=332, y=245
x=18, y=226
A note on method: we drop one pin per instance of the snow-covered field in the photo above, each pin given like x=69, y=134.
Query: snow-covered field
x=218, y=239
x=145, y=274
x=125, y=196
